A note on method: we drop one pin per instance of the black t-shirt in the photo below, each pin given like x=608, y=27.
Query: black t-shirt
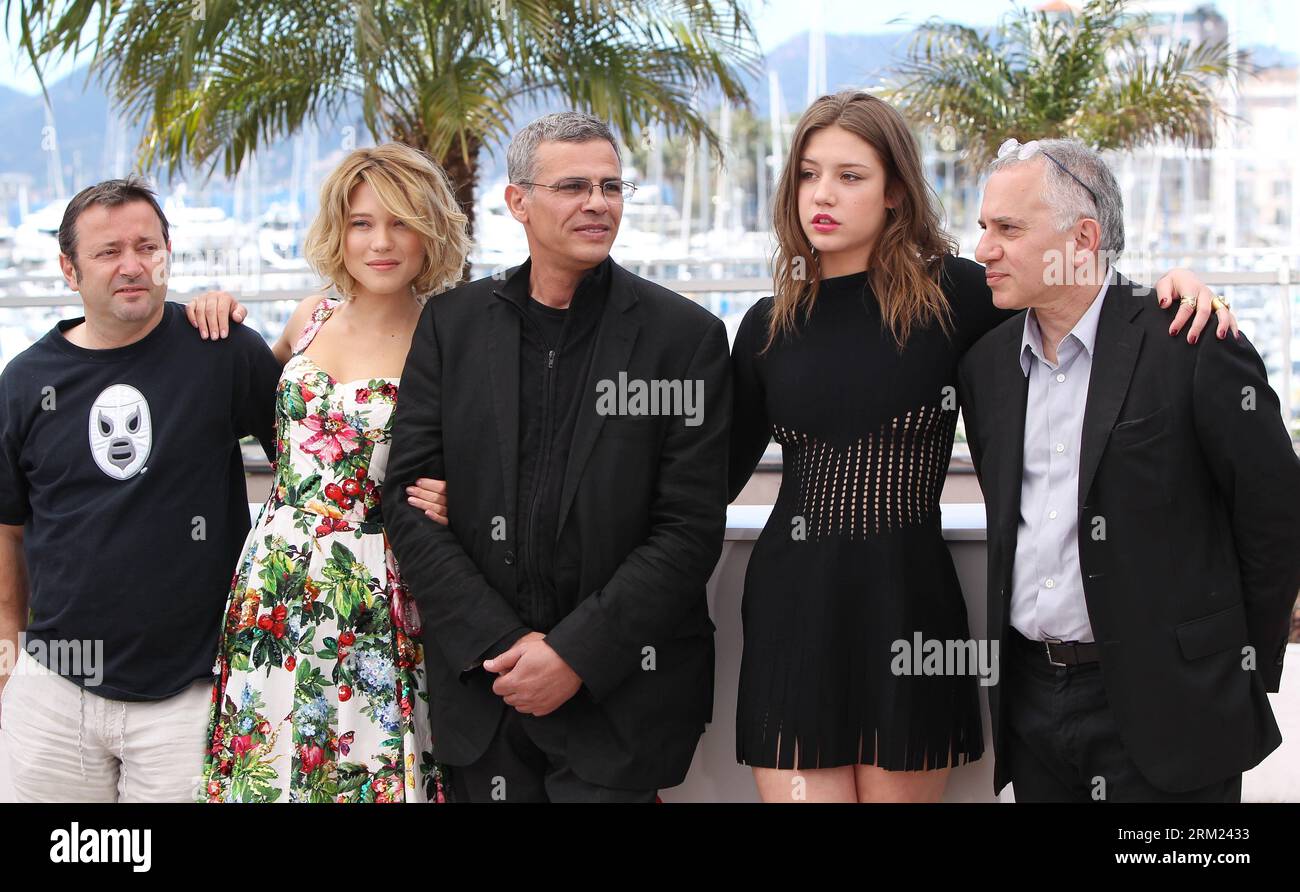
x=124, y=467
x=549, y=321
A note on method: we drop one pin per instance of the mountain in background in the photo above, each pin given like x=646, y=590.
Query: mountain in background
x=82, y=117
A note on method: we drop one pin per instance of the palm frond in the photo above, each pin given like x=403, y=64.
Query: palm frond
x=210, y=89
x=1093, y=76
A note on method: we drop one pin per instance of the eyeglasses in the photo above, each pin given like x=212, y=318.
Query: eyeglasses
x=1028, y=150
x=577, y=188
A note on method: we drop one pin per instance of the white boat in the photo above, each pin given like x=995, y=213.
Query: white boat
x=279, y=237
x=35, y=240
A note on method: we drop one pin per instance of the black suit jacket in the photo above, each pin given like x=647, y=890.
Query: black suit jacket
x=642, y=518
x=1189, y=532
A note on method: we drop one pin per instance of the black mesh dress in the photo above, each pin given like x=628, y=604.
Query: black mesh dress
x=853, y=557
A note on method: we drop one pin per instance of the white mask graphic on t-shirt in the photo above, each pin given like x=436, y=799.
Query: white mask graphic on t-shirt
x=121, y=431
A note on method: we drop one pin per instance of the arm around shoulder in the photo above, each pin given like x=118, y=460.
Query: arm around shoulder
x=751, y=430
x=970, y=413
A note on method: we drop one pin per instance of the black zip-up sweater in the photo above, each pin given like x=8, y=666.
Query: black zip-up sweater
x=555, y=350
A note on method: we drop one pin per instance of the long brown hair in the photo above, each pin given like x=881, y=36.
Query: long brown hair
x=907, y=259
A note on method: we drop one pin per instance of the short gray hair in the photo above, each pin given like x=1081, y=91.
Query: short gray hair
x=1070, y=201
x=567, y=126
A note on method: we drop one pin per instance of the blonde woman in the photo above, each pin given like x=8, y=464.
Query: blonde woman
x=320, y=692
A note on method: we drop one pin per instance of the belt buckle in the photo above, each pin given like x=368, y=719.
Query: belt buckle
x=1047, y=646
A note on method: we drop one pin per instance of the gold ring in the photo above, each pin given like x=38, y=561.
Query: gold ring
x=1220, y=304
x=1188, y=301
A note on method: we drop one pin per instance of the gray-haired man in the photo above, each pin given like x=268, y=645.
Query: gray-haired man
x=1143, y=510
x=570, y=652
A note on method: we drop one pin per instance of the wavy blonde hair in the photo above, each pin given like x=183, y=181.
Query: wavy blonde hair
x=411, y=187
x=907, y=259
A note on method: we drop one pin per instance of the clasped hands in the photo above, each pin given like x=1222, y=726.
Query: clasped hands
x=532, y=677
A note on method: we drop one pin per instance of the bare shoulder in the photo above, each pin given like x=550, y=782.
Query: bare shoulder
x=300, y=316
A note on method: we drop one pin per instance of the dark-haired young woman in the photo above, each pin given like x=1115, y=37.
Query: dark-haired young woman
x=851, y=366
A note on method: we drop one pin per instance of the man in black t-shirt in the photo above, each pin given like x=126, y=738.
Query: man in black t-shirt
x=122, y=513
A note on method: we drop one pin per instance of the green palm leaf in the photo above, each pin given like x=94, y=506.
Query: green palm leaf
x=1092, y=76
x=213, y=81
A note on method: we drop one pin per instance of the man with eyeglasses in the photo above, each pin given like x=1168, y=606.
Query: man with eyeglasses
x=1143, y=504
x=568, y=645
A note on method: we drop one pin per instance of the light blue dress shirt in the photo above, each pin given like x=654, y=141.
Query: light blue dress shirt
x=1047, y=585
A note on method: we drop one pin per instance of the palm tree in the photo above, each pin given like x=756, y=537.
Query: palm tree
x=214, y=80
x=1091, y=75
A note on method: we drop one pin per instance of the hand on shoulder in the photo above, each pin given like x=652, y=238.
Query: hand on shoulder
x=212, y=312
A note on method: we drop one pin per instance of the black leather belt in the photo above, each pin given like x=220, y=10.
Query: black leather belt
x=1063, y=653
x=1071, y=653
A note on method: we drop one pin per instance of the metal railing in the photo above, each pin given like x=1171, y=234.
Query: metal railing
x=730, y=296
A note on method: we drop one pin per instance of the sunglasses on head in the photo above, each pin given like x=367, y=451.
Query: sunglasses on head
x=1025, y=151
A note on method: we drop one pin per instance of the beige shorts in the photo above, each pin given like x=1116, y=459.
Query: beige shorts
x=65, y=743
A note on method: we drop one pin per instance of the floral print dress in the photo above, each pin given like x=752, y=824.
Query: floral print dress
x=320, y=693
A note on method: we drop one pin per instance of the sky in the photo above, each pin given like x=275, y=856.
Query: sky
x=1275, y=22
